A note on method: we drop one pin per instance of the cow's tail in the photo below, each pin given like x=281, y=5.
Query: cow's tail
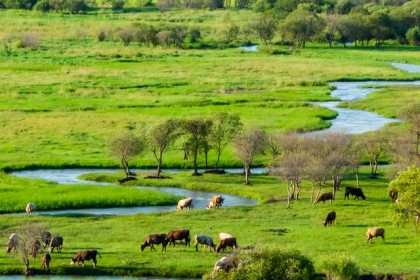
x=99, y=254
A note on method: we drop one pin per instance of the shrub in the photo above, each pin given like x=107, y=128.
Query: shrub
x=413, y=36
x=29, y=41
x=269, y=264
x=76, y=6
x=126, y=35
x=340, y=268
x=101, y=35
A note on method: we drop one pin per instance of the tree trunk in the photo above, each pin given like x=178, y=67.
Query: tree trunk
x=312, y=193
x=317, y=195
x=159, y=166
x=218, y=159
x=195, y=163
x=246, y=169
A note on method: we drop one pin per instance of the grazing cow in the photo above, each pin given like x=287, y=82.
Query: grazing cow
x=225, y=263
x=325, y=196
x=12, y=243
x=216, y=202
x=375, y=232
x=179, y=234
x=330, y=219
x=224, y=235
x=30, y=207
x=356, y=192
x=185, y=203
x=228, y=242
x=393, y=194
x=46, y=238
x=45, y=261
x=56, y=242
x=204, y=240
x=154, y=239
x=85, y=255
x=35, y=245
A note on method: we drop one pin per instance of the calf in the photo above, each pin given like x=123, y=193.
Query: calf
x=185, y=203
x=30, y=207
x=228, y=242
x=56, y=242
x=35, y=245
x=154, y=239
x=179, y=234
x=12, y=243
x=204, y=240
x=330, y=219
x=45, y=261
x=356, y=192
x=85, y=255
x=325, y=196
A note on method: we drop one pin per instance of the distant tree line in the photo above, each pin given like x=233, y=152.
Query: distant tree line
x=294, y=21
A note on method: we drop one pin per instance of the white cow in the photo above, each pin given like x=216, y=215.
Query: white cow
x=225, y=263
x=12, y=243
x=185, y=203
x=224, y=235
x=30, y=207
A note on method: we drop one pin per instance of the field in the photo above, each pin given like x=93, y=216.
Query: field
x=61, y=104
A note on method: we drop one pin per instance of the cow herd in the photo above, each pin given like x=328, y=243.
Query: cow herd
x=215, y=202
x=183, y=235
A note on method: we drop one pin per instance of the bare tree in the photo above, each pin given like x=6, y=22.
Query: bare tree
x=159, y=137
x=340, y=157
x=28, y=234
x=411, y=114
x=375, y=144
x=197, y=130
x=247, y=146
x=225, y=127
x=125, y=147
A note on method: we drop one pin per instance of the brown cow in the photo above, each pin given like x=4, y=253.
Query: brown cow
x=228, y=242
x=325, y=196
x=85, y=255
x=179, y=234
x=35, y=245
x=216, y=202
x=45, y=261
x=154, y=239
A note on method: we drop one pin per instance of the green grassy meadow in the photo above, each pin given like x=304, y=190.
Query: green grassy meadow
x=61, y=104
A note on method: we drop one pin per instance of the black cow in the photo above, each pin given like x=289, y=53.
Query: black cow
x=330, y=219
x=356, y=192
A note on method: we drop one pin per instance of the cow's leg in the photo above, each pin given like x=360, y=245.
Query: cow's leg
x=94, y=262
x=152, y=247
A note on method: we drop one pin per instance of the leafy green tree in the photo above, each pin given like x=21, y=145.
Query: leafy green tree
x=194, y=34
x=159, y=137
x=300, y=25
x=126, y=35
x=197, y=130
x=380, y=24
x=125, y=147
x=407, y=183
x=247, y=146
x=265, y=26
x=230, y=33
x=340, y=268
x=225, y=127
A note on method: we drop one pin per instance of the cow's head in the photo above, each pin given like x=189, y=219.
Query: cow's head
x=72, y=260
